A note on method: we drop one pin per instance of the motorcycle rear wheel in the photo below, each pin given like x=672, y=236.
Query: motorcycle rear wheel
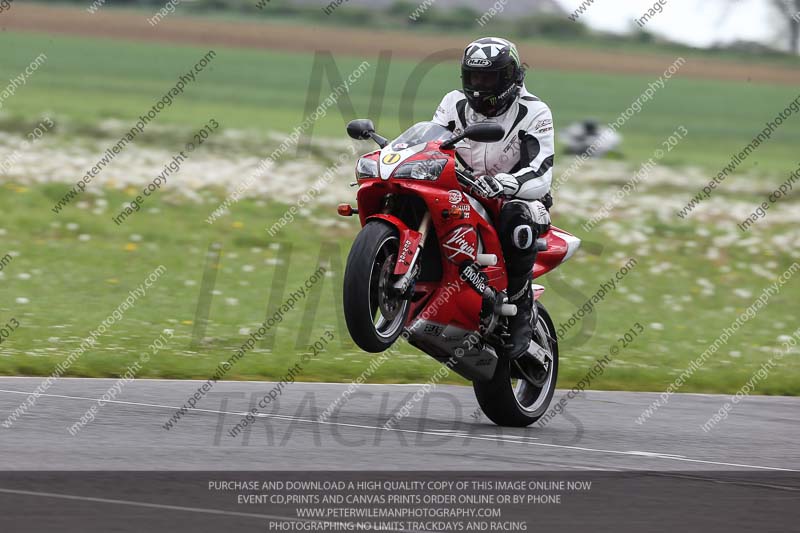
x=375, y=315
x=509, y=399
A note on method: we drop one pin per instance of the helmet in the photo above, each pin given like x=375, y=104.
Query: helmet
x=491, y=74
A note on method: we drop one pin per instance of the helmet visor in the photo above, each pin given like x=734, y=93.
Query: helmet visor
x=494, y=81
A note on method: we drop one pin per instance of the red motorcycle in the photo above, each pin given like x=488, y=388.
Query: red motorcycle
x=428, y=262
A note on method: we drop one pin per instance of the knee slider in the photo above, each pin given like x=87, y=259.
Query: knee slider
x=522, y=236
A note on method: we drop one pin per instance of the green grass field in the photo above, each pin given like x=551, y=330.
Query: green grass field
x=70, y=283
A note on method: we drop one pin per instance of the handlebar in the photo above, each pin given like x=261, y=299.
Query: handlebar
x=465, y=178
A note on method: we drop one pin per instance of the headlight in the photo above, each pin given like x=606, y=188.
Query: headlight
x=366, y=168
x=429, y=169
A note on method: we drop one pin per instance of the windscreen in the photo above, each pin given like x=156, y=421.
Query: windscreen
x=421, y=133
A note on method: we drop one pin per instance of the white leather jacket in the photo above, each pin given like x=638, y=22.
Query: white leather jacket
x=526, y=152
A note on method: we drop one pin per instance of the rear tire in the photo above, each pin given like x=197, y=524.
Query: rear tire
x=523, y=404
x=375, y=317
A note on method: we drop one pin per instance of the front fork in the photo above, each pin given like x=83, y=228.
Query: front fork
x=405, y=281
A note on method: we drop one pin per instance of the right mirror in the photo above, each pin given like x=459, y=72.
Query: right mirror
x=485, y=133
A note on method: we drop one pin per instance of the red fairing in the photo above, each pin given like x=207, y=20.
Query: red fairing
x=462, y=229
x=557, y=249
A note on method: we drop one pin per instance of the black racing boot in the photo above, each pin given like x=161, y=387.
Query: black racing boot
x=520, y=326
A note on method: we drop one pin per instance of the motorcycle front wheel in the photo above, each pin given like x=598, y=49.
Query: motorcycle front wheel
x=374, y=312
x=520, y=391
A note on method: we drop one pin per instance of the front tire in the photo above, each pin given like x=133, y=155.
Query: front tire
x=375, y=316
x=510, y=400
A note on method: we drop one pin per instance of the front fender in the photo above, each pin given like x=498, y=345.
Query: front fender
x=409, y=241
x=388, y=219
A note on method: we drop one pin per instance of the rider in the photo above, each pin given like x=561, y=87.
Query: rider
x=519, y=168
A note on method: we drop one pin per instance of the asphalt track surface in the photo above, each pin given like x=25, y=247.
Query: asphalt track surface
x=444, y=431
